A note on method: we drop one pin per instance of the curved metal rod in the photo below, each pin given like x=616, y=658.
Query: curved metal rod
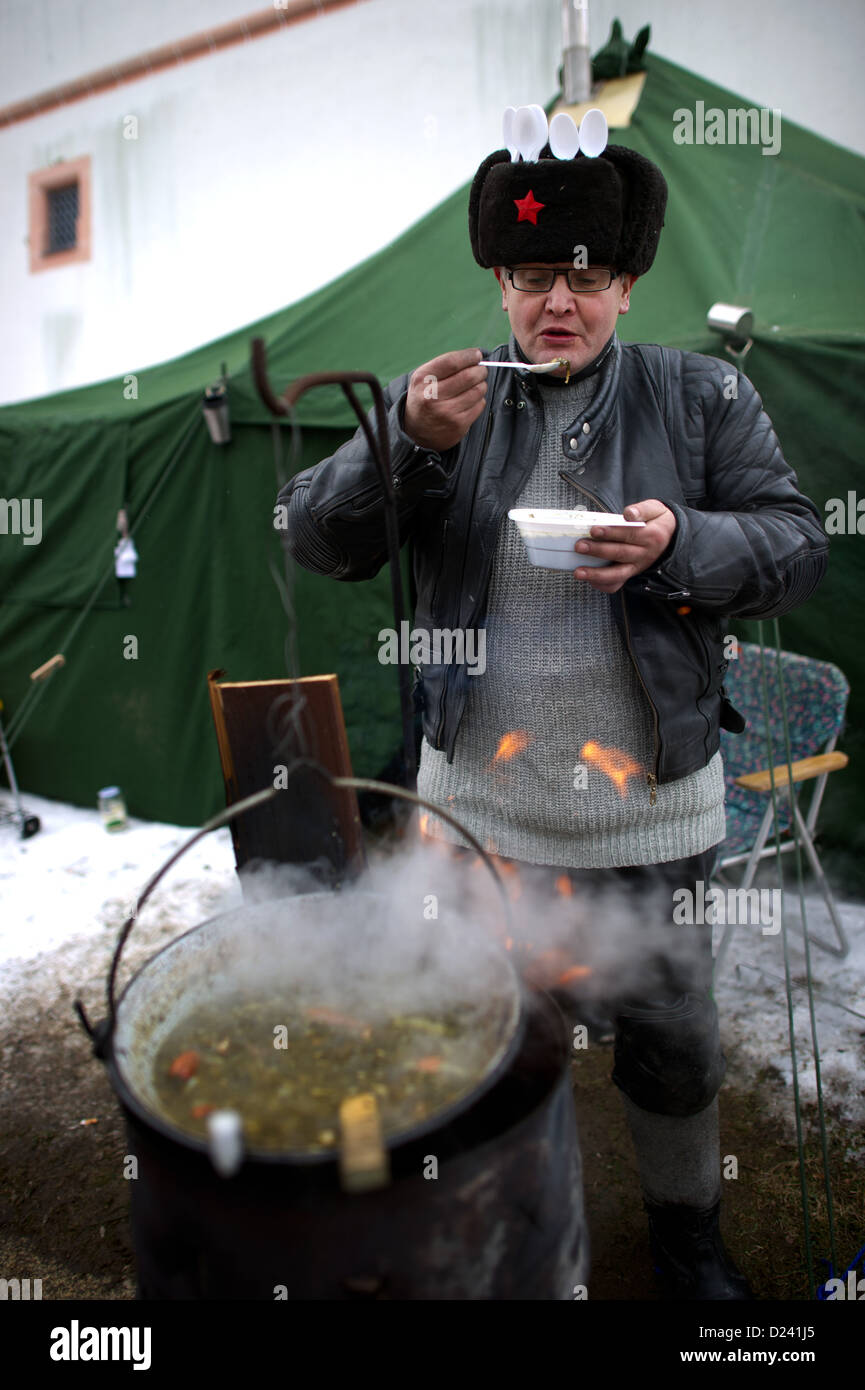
x=380, y=449
x=387, y=486
x=262, y=384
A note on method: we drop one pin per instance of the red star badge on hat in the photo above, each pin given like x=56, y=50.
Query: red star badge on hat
x=529, y=208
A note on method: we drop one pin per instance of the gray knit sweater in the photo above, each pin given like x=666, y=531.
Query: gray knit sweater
x=559, y=677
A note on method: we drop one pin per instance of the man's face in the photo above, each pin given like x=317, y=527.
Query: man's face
x=560, y=323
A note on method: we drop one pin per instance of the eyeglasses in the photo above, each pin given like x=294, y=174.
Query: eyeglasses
x=539, y=279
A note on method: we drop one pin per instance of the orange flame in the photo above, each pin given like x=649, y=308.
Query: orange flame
x=423, y=821
x=618, y=766
x=574, y=972
x=550, y=967
x=564, y=886
x=510, y=744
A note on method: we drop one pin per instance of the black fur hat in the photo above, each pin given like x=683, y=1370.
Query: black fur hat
x=542, y=210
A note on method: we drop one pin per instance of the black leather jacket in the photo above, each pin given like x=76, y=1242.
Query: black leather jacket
x=678, y=426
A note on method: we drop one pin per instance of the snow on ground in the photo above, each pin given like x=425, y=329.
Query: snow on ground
x=752, y=1002
x=68, y=890
x=74, y=878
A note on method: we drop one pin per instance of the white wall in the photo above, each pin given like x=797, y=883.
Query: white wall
x=800, y=56
x=44, y=43
x=258, y=174
x=266, y=170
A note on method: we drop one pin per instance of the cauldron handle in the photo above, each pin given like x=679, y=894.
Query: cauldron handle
x=102, y=1033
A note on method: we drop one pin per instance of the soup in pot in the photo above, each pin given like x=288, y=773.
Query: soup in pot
x=286, y=1064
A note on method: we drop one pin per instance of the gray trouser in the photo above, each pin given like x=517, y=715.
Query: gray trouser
x=668, y=1057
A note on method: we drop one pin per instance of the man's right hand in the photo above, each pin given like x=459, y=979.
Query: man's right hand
x=445, y=397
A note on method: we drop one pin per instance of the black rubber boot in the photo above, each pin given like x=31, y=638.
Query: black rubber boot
x=690, y=1259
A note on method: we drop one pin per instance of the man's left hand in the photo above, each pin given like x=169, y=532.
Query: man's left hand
x=631, y=550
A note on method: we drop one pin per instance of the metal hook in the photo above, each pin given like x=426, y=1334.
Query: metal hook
x=380, y=450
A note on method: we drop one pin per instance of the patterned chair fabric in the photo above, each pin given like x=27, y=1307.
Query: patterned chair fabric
x=816, y=696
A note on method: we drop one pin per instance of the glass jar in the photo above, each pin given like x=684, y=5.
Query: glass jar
x=112, y=808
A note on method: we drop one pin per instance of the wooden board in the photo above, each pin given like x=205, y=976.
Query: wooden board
x=802, y=770
x=617, y=98
x=262, y=727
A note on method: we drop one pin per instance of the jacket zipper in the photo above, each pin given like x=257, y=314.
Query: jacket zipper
x=435, y=595
x=652, y=777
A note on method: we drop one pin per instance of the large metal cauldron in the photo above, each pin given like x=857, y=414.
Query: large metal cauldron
x=304, y=944
x=485, y=1198
x=503, y=1218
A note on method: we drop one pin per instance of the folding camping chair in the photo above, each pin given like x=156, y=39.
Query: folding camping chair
x=816, y=699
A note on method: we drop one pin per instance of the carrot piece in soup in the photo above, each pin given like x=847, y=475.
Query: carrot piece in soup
x=185, y=1065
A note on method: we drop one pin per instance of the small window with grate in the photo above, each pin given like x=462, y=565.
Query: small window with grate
x=62, y=218
x=60, y=214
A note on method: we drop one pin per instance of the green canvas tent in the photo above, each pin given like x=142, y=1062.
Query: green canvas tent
x=783, y=234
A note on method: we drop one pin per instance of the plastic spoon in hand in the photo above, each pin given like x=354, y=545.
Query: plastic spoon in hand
x=534, y=366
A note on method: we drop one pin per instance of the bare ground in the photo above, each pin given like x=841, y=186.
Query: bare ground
x=63, y=1197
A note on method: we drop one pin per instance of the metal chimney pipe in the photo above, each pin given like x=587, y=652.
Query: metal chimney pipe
x=577, y=61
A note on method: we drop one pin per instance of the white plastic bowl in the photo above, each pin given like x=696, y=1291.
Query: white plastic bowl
x=549, y=535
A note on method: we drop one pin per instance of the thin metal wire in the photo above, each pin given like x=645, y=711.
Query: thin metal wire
x=800, y=1148
x=379, y=445
x=788, y=985
x=286, y=588
x=284, y=727
x=808, y=974
x=770, y=975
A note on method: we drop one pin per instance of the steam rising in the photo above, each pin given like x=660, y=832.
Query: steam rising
x=422, y=928
x=420, y=934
